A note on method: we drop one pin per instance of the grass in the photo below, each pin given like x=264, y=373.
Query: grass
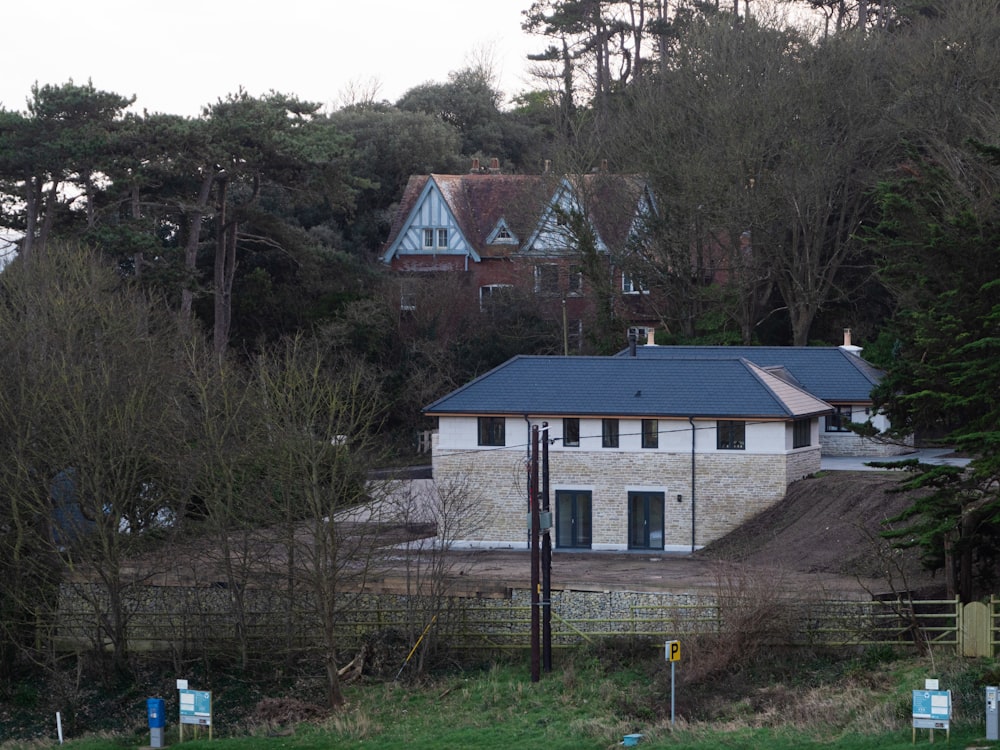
x=590, y=701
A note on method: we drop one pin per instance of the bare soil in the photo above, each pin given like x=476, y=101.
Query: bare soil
x=824, y=536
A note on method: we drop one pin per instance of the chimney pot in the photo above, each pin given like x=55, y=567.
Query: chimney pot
x=475, y=166
x=847, y=337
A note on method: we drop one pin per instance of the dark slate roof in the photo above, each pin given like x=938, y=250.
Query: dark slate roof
x=630, y=387
x=827, y=372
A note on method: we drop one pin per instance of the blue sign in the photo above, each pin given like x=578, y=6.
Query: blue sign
x=932, y=704
x=196, y=707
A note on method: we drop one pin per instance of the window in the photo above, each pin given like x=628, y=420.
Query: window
x=428, y=238
x=731, y=435
x=609, y=433
x=571, y=431
x=839, y=420
x=629, y=284
x=442, y=238
x=641, y=334
x=650, y=433
x=801, y=433
x=491, y=431
x=546, y=279
x=492, y=295
x=574, y=335
x=575, y=281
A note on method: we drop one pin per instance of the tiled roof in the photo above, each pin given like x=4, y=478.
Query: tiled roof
x=478, y=202
x=827, y=372
x=630, y=387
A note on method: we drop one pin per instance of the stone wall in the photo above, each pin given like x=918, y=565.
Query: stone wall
x=852, y=444
x=729, y=488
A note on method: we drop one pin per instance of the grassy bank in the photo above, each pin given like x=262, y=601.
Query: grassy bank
x=592, y=700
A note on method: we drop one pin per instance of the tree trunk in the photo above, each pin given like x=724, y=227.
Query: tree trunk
x=194, y=220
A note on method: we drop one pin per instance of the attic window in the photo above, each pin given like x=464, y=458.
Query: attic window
x=501, y=235
x=440, y=234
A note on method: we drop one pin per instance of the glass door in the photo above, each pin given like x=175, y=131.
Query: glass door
x=573, y=518
x=645, y=520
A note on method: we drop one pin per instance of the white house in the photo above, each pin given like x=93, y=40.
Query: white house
x=645, y=453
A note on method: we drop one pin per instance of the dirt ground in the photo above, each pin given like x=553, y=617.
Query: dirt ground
x=822, y=537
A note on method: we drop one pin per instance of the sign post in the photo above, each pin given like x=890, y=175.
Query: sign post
x=196, y=709
x=672, y=652
x=931, y=710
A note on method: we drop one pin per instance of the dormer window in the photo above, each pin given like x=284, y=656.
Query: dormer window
x=501, y=235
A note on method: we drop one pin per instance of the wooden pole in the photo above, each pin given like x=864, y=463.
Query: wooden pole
x=535, y=585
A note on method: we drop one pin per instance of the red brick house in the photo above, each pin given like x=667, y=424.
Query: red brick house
x=499, y=232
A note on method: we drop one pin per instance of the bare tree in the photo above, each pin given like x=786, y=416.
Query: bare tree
x=322, y=418
x=95, y=428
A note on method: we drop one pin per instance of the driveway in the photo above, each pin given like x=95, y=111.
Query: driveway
x=933, y=456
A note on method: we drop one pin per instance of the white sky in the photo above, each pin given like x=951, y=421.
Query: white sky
x=176, y=56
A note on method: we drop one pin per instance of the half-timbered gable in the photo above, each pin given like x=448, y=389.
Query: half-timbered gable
x=500, y=232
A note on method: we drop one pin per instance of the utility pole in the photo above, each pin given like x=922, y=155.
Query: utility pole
x=535, y=584
x=546, y=557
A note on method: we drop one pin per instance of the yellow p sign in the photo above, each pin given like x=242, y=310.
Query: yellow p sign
x=673, y=650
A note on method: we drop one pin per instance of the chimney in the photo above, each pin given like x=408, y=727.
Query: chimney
x=650, y=337
x=475, y=166
x=548, y=166
x=631, y=343
x=847, y=346
x=494, y=165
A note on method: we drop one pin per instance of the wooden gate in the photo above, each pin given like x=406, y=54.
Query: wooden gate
x=977, y=630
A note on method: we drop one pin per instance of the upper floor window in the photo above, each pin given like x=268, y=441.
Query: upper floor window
x=840, y=420
x=801, y=433
x=546, y=278
x=575, y=281
x=650, y=433
x=430, y=235
x=571, y=431
x=731, y=435
x=492, y=431
x=632, y=284
x=609, y=433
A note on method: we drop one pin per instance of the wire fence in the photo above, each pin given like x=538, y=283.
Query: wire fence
x=497, y=625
